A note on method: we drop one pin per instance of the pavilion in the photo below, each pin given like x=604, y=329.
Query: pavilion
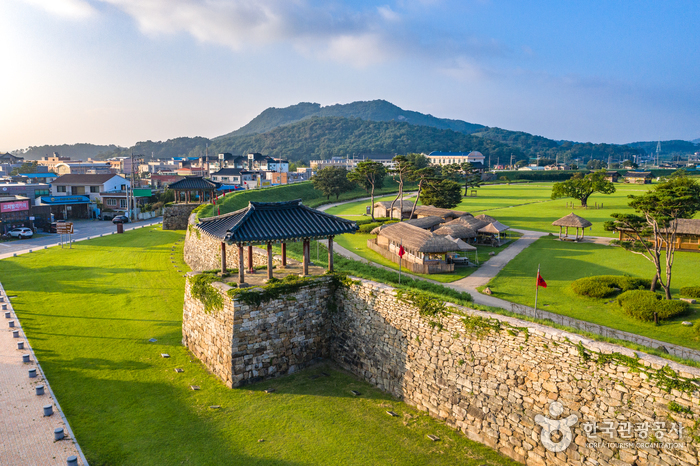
x=572, y=221
x=203, y=188
x=268, y=223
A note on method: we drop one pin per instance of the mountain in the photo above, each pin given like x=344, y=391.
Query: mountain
x=375, y=110
x=532, y=146
x=75, y=151
x=326, y=137
x=696, y=141
x=673, y=147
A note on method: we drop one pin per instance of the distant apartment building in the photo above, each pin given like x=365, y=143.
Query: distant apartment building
x=83, y=168
x=121, y=165
x=51, y=162
x=448, y=158
x=349, y=163
x=157, y=166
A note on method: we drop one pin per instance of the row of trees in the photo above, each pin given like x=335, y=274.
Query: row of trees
x=440, y=186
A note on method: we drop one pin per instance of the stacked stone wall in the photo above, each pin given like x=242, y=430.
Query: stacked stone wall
x=244, y=343
x=491, y=384
x=175, y=216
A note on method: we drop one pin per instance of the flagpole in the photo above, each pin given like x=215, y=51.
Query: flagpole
x=537, y=286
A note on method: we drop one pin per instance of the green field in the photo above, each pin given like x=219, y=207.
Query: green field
x=563, y=262
x=89, y=312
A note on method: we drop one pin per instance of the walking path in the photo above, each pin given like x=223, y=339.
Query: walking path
x=26, y=434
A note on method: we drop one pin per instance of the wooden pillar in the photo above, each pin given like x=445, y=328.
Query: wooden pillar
x=305, y=262
x=269, y=261
x=223, y=258
x=330, y=254
x=284, y=254
x=250, y=260
x=241, y=265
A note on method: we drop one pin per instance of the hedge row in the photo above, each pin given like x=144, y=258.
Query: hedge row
x=602, y=286
x=368, y=227
x=691, y=292
x=641, y=304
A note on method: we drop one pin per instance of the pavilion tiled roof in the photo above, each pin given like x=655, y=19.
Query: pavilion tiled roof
x=263, y=222
x=194, y=183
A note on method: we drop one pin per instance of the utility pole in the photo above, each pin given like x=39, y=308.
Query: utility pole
x=130, y=205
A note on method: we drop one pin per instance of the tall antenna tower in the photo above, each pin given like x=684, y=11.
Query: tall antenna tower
x=658, y=151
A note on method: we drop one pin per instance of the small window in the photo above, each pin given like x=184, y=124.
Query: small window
x=111, y=202
x=94, y=189
x=61, y=189
x=122, y=203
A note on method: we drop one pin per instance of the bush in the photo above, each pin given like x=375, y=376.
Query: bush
x=602, y=286
x=365, y=221
x=641, y=304
x=368, y=227
x=691, y=292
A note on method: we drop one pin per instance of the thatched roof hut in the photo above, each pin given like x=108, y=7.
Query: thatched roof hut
x=456, y=230
x=426, y=223
x=486, y=218
x=430, y=211
x=471, y=222
x=687, y=226
x=416, y=239
x=572, y=221
x=494, y=227
x=461, y=244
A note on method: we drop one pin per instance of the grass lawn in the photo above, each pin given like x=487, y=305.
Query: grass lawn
x=564, y=262
x=357, y=243
x=88, y=313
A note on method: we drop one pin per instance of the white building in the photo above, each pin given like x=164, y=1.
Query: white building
x=448, y=158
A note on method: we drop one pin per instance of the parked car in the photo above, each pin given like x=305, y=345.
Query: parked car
x=21, y=233
x=120, y=219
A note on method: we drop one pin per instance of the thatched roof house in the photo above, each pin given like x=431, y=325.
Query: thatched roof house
x=426, y=223
x=572, y=221
x=456, y=230
x=415, y=239
x=494, y=227
x=383, y=209
x=430, y=211
x=461, y=244
x=687, y=234
x=638, y=177
x=486, y=218
x=471, y=222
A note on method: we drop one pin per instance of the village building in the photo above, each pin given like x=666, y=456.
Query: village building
x=383, y=209
x=638, y=177
x=448, y=158
x=78, y=195
x=14, y=213
x=687, y=234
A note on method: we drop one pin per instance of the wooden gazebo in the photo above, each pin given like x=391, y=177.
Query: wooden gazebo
x=268, y=223
x=202, y=187
x=572, y=221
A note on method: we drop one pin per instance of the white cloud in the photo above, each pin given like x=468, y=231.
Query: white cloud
x=72, y=9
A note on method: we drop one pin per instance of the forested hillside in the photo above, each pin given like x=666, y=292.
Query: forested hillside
x=375, y=110
x=674, y=147
x=322, y=138
x=74, y=151
x=532, y=146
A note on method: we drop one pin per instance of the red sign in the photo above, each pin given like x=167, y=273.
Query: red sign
x=14, y=206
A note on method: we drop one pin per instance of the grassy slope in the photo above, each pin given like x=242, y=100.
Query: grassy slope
x=564, y=262
x=304, y=191
x=88, y=313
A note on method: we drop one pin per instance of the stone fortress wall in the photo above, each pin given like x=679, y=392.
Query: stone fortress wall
x=497, y=379
x=203, y=252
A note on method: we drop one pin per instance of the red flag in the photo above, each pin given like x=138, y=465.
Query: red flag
x=401, y=251
x=540, y=281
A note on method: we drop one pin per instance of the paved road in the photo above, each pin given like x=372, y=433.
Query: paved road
x=82, y=230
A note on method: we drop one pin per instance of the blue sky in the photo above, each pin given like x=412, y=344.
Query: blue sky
x=121, y=71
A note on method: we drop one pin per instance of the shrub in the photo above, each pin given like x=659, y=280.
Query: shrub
x=602, y=286
x=368, y=227
x=641, y=304
x=365, y=221
x=691, y=292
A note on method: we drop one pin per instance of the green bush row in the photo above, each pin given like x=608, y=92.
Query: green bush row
x=641, y=304
x=368, y=227
x=602, y=286
x=691, y=292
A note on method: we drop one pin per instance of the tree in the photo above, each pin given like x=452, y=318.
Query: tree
x=465, y=171
x=369, y=175
x=595, y=164
x=422, y=176
x=443, y=193
x=521, y=163
x=26, y=167
x=629, y=164
x=418, y=160
x=543, y=162
x=654, y=226
x=582, y=187
x=402, y=169
x=332, y=181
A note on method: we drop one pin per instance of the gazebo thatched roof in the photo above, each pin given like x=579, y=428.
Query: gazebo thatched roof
x=456, y=230
x=495, y=227
x=573, y=221
x=416, y=239
x=426, y=222
x=471, y=222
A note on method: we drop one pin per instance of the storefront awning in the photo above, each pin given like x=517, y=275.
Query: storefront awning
x=64, y=200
